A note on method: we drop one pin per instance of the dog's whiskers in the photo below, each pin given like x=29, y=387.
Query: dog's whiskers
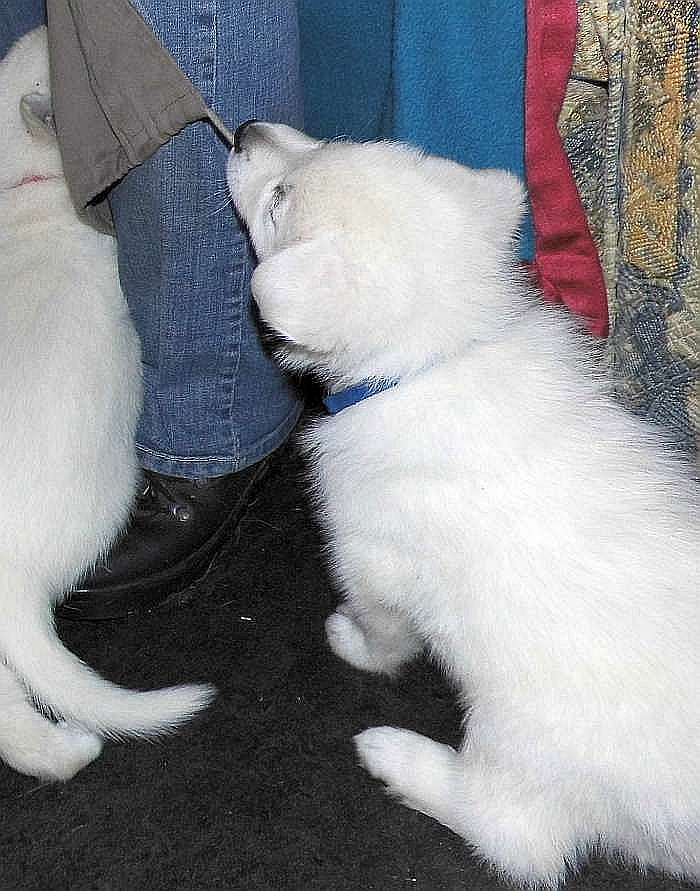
x=227, y=203
x=220, y=191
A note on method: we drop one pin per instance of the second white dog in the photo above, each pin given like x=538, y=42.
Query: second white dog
x=490, y=499
x=70, y=392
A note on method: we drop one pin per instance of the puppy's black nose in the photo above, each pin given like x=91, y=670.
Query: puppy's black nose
x=238, y=135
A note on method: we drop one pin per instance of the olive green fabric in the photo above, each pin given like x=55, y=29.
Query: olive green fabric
x=118, y=95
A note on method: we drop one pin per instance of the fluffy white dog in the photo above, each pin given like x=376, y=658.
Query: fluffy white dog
x=489, y=499
x=70, y=392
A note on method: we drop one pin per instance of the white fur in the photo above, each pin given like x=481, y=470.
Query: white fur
x=496, y=505
x=70, y=393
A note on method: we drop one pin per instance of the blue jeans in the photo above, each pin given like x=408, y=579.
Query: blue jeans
x=17, y=17
x=214, y=399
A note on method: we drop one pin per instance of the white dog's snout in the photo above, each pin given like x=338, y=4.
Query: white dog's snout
x=241, y=134
x=277, y=139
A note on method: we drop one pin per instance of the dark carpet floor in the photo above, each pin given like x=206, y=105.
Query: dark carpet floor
x=263, y=792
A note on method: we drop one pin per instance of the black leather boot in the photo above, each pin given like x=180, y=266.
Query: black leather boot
x=177, y=528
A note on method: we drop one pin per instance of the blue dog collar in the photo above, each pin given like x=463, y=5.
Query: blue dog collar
x=336, y=402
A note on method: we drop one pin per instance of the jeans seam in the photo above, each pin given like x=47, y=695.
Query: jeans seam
x=215, y=38
x=185, y=459
x=265, y=446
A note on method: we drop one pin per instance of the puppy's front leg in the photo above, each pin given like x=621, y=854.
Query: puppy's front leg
x=32, y=744
x=371, y=636
x=523, y=828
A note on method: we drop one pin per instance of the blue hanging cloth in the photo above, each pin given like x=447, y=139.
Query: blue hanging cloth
x=446, y=75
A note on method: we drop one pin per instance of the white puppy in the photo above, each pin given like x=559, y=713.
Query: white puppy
x=69, y=399
x=490, y=500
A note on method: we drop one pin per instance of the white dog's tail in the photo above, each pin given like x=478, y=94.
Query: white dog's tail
x=72, y=690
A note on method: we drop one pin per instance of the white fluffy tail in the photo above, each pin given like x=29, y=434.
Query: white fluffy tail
x=71, y=689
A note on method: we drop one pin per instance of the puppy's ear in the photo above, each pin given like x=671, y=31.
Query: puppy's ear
x=37, y=115
x=300, y=291
x=503, y=201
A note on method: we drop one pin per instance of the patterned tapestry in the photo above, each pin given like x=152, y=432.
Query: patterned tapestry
x=630, y=128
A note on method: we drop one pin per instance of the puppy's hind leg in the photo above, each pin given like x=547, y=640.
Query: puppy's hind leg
x=372, y=637
x=527, y=836
x=420, y=772
x=32, y=744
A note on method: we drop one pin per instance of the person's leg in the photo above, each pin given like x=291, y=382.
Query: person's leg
x=214, y=400
x=215, y=403
x=17, y=18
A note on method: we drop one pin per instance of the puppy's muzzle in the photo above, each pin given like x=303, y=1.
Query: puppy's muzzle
x=239, y=134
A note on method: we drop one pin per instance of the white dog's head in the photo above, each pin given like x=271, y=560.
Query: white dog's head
x=28, y=147
x=375, y=260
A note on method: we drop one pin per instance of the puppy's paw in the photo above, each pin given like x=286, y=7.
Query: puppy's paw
x=53, y=752
x=348, y=641
x=74, y=749
x=418, y=771
x=389, y=754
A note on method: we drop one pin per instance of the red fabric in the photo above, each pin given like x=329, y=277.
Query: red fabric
x=566, y=260
x=36, y=178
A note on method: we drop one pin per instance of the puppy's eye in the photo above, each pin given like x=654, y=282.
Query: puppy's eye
x=278, y=196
